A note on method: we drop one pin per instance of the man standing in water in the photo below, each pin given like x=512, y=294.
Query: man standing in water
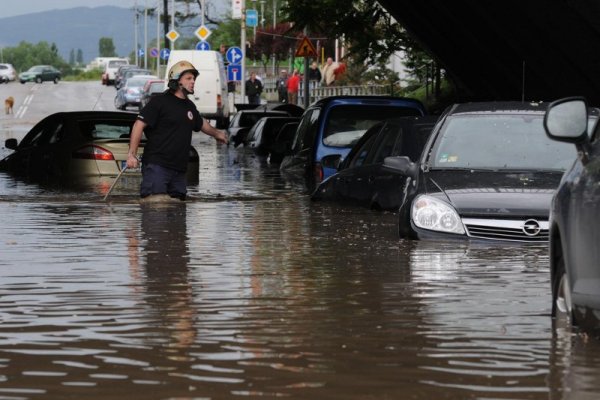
x=168, y=121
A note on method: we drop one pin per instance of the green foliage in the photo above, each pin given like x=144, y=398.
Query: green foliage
x=80, y=75
x=26, y=55
x=106, y=47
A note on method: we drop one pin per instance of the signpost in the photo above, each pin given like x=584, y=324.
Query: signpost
x=251, y=18
x=164, y=54
x=205, y=46
x=234, y=73
x=306, y=49
x=234, y=55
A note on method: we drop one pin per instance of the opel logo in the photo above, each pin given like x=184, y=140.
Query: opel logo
x=531, y=227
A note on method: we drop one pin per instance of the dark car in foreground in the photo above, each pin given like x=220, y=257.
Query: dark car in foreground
x=39, y=74
x=333, y=125
x=361, y=178
x=488, y=172
x=66, y=146
x=575, y=215
x=243, y=120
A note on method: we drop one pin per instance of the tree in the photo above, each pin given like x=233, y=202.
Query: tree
x=106, y=47
x=280, y=41
x=27, y=54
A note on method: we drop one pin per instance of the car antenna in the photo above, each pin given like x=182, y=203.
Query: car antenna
x=97, y=100
x=523, y=84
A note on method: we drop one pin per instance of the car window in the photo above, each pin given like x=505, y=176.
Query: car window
x=306, y=131
x=105, y=129
x=499, y=142
x=41, y=133
x=56, y=134
x=390, y=134
x=255, y=128
x=347, y=123
x=362, y=153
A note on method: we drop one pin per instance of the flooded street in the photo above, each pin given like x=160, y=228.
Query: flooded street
x=250, y=290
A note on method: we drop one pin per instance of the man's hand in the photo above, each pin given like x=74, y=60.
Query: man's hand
x=132, y=162
x=221, y=137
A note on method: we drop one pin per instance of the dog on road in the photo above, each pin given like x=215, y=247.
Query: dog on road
x=8, y=105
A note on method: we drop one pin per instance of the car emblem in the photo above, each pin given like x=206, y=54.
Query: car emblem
x=531, y=227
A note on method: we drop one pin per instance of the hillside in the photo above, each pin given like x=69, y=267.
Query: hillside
x=77, y=28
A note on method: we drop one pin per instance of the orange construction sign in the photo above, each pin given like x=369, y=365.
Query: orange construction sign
x=306, y=49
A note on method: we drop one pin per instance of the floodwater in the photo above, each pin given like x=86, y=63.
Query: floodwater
x=252, y=291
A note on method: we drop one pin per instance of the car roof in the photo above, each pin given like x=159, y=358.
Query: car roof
x=94, y=114
x=363, y=100
x=500, y=107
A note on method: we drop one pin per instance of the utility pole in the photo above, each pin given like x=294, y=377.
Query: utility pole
x=166, y=23
x=274, y=24
x=145, y=33
x=135, y=33
x=158, y=37
x=173, y=20
x=243, y=48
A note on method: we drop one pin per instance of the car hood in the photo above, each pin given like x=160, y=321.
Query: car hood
x=494, y=194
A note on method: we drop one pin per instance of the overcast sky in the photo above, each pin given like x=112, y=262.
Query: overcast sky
x=10, y=8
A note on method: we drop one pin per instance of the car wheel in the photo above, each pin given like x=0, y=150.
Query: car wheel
x=38, y=79
x=55, y=81
x=22, y=82
x=562, y=305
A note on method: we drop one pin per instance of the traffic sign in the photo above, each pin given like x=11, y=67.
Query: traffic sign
x=234, y=73
x=251, y=18
x=202, y=45
x=172, y=35
x=234, y=55
x=306, y=49
x=141, y=52
x=164, y=54
x=154, y=52
x=203, y=32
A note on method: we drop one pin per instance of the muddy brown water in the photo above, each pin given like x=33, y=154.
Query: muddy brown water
x=252, y=291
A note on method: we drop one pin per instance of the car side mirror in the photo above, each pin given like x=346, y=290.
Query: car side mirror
x=401, y=165
x=566, y=120
x=331, y=161
x=11, y=144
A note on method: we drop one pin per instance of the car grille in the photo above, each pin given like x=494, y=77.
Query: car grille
x=525, y=230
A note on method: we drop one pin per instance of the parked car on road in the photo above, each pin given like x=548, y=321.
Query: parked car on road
x=488, y=172
x=151, y=88
x=263, y=135
x=130, y=95
x=110, y=71
x=283, y=142
x=39, y=74
x=127, y=73
x=243, y=120
x=78, y=144
x=574, y=226
x=361, y=178
x=7, y=73
x=333, y=125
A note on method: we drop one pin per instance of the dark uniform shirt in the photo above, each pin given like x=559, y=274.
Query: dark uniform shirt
x=170, y=122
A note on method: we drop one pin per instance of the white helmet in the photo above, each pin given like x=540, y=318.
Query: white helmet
x=179, y=68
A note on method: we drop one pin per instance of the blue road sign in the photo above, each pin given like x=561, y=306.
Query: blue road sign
x=140, y=52
x=164, y=54
x=251, y=18
x=234, y=73
x=203, y=45
x=154, y=52
x=234, y=55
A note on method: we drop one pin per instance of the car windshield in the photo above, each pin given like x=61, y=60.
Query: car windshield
x=156, y=87
x=137, y=82
x=347, y=123
x=116, y=63
x=36, y=69
x=514, y=142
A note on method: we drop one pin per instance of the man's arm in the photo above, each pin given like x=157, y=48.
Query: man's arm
x=208, y=129
x=134, y=142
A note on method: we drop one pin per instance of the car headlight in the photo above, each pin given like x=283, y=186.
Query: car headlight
x=433, y=214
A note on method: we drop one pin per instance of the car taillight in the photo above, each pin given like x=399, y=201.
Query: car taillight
x=219, y=102
x=93, y=152
x=318, y=173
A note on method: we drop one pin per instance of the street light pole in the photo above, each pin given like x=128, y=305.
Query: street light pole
x=243, y=48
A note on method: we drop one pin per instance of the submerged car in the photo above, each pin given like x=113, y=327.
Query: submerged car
x=77, y=144
x=361, y=178
x=243, y=120
x=574, y=227
x=488, y=172
x=262, y=137
x=39, y=74
x=333, y=125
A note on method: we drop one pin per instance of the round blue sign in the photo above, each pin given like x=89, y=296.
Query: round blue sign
x=203, y=45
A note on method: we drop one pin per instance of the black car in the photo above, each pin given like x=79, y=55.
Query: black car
x=263, y=135
x=361, y=178
x=243, y=120
x=574, y=228
x=488, y=172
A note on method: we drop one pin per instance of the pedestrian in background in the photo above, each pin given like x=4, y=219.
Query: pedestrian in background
x=254, y=88
x=314, y=76
x=293, y=84
x=281, y=85
x=327, y=73
x=168, y=121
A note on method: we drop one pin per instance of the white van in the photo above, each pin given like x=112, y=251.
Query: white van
x=210, y=90
x=112, y=65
